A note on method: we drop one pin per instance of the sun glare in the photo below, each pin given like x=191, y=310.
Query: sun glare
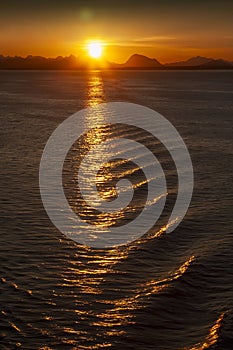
x=95, y=49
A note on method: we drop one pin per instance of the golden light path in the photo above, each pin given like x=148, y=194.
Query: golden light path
x=120, y=310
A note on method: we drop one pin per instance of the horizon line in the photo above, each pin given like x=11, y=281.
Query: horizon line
x=112, y=62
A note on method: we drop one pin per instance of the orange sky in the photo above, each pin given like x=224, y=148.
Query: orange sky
x=157, y=29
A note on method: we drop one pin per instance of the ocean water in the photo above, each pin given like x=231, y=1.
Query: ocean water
x=164, y=291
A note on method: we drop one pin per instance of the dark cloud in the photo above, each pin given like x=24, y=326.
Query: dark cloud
x=106, y=5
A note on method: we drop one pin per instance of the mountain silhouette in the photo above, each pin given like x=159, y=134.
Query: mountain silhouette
x=217, y=64
x=38, y=62
x=138, y=61
x=191, y=62
x=200, y=61
x=135, y=61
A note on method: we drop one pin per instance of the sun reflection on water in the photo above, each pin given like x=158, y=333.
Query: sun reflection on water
x=95, y=89
x=212, y=337
x=100, y=300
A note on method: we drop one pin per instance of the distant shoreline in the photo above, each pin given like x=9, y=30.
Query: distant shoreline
x=135, y=62
x=121, y=69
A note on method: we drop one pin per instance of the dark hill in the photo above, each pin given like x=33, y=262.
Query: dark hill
x=140, y=61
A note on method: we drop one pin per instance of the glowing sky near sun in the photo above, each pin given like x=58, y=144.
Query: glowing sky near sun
x=167, y=30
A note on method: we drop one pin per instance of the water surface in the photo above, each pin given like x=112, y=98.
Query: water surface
x=166, y=291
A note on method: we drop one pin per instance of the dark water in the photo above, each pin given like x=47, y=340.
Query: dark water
x=166, y=291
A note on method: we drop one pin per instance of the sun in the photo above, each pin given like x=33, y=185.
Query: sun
x=95, y=49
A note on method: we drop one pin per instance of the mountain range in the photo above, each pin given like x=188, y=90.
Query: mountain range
x=136, y=61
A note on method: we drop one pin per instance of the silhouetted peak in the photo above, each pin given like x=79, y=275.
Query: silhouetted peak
x=137, y=60
x=200, y=61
